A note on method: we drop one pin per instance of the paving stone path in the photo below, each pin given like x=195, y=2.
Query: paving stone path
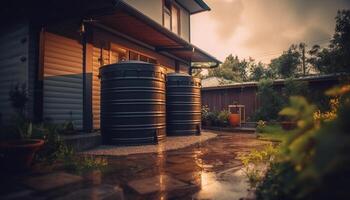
x=206, y=170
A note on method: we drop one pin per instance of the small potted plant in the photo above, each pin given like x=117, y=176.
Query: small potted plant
x=17, y=152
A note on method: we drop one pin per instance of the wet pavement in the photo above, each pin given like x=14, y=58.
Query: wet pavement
x=207, y=170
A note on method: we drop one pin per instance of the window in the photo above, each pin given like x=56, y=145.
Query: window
x=171, y=17
x=136, y=56
x=175, y=16
x=133, y=55
x=167, y=18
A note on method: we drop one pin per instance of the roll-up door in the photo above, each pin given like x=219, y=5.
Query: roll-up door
x=63, y=80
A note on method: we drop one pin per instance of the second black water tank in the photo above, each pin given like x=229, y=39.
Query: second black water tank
x=132, y=103
x=183, y=105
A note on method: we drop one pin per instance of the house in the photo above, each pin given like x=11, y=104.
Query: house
x=215, y=81
x=56, y=48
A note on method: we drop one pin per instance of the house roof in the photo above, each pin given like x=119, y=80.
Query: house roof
x=313, y=78
x=131, y=22
x=215, y=81
x=194, y=6
x=116, y=15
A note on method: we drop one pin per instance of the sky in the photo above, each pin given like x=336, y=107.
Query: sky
x=263, y=29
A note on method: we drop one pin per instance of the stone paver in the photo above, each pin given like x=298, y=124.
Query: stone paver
x=102, y=192
x=171, y=143
x=51, y=181
x=208, y=170
x=156, y=183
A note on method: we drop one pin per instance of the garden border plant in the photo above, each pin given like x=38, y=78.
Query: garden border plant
x=312, y=163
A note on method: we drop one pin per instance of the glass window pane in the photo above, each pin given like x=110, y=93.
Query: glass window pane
x=133, y=56
x=175, y=19
x=151, y=60
x=167, y=20
x=143, y=58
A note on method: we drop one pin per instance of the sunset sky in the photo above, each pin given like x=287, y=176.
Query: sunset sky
x=262, y=29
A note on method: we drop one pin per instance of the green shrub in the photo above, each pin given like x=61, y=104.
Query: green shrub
x=256, y=162
x=315, y=158
x=260, y=127
x=293, y=87
x=270, y=101
x=223, y=117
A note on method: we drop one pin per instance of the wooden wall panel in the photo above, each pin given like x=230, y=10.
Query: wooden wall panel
x=63, y=80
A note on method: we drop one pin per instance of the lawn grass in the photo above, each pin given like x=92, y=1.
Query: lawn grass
x=273, y=133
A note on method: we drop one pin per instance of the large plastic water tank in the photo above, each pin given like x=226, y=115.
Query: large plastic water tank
x=183, y=105
x=132, y=103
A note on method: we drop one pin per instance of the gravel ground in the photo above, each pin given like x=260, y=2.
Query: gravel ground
x=171, y=143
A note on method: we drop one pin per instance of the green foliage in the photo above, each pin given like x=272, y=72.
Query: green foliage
x=315, y=159
x=270, y=101
x=274, y=133
x=275, y=185
x=215, y=118
x=257, y=71
x=335, y=58
x=260, y=127
x=53, y=147
x=205, y=113
x=256, y=161
x=227, y=70
x=287, y=64
x=223, y=117
x=232, y=69
x=18, y=97
x=295, y=88
x=83, y=164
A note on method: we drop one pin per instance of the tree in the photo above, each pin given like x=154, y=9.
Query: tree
x=287, y=64
x=270, y=101
x=232, y=69
x=257, y=71
x=335, y=58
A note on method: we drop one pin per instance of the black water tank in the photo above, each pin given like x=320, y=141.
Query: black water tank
x=132, y=103
x=183, y=105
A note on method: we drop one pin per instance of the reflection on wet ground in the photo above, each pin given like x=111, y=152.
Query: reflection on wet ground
x=210, y=170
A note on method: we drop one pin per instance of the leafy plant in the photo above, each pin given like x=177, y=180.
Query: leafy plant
x=260, y=127
x=270, y=101
x=293, y=87
x=53, y=147
x=223, y=117
x=315, y=158
x=18, y=97
x=205, y=113
x=256, y=163
x=83, y=164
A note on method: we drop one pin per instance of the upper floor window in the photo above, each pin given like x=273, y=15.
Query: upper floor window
x=175, y=19
x=171, y=17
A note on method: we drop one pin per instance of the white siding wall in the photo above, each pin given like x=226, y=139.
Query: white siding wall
x=13, y=64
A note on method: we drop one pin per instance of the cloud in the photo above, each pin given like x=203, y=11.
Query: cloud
x=227, y=15
x=263, y=28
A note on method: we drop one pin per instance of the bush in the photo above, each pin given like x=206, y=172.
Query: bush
x=315, y=159
x=271, y=102
x=260, y=127
x=222, y=117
